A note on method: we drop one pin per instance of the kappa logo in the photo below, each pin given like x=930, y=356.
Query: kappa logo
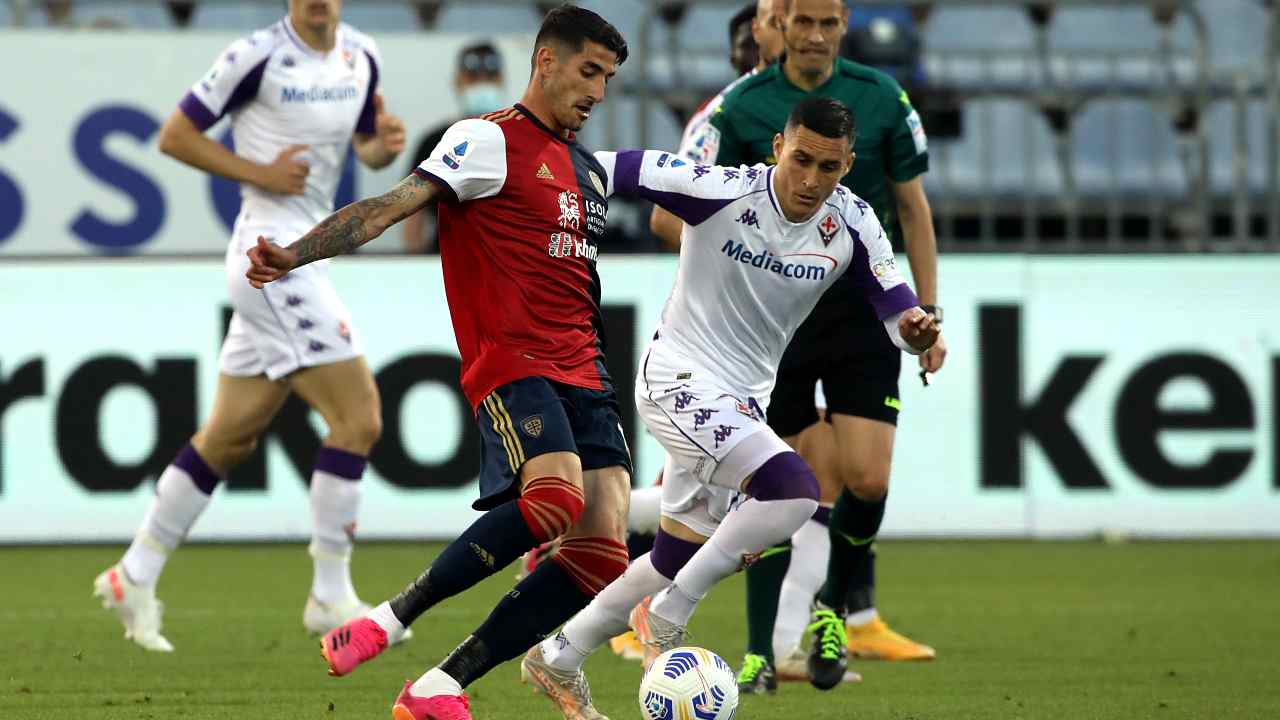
x=544, y=173
x=748, y=217
x=828, y=228
x=532, y=426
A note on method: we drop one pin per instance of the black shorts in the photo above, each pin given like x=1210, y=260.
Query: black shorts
x=534, y=416
x=843, y=344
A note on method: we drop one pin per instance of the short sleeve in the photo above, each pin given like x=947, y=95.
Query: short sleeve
x=908, y=151
x=366, y=124
x=470, y=162
x=874, y=266
x=692, y=192
x=233, y=81
x=700, y=141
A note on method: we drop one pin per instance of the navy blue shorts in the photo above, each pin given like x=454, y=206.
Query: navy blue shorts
x=534, y=416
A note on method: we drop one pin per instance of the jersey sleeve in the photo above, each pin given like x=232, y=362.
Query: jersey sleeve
x=470, y=162
x=233, y=81
x=874, y=266
x=366, y=124
x=691, y=191
x=908, y=147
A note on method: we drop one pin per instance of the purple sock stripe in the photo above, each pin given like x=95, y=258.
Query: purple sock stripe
x=347, y=465
x=785, y=476
x=822, y=515
x=670, y=553
x=190, y=462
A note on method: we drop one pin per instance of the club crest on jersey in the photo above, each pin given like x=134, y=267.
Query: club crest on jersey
x=570, y=212
x=532, y=426
x=828, y=229
x=596, y=182
x=344, y=331
x=348, y=58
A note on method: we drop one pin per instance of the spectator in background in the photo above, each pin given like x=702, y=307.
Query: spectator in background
x=60, y=14
x=181, y=11
x=480, y=88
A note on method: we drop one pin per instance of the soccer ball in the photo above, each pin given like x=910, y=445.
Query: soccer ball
x=689, y=683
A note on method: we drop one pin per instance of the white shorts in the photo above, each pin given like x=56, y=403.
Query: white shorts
x=715, y=439
x=295, y=322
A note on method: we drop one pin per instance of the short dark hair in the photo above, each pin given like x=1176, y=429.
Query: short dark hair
x=573, y=26
x=826, y=116
x=740, y=18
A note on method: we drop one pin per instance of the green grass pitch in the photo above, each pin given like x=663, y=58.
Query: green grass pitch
x=1023, y=630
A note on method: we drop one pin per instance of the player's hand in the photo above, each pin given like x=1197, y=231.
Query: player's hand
x=931, y=360
x=285, y=175
x=268, y=262
x=389, y=129
x=918, y=329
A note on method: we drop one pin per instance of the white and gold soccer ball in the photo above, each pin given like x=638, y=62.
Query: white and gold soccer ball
x=689, y=683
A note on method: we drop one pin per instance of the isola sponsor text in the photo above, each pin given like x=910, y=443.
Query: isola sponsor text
x=768, y=261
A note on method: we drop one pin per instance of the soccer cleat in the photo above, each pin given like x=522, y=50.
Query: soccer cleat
x=348, y=646
x=136, y=606
x=877, y=641
x=655, y=634
x=437, y=707
x=828, y=656
x=320, y=618
x=794, y=667
x=568, y=690
x=626, y=646
x=535, y=557
x=757, y=676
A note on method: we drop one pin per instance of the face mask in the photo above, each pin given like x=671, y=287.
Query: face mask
x=481, y=98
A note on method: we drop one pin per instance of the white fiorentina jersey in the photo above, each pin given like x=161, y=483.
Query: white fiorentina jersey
x=280, y=92
x=748, y=276
x=701, y=141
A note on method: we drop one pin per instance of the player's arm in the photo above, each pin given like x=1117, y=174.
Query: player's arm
x=183, y=141
x=379, y=145
x=690, y=192
x=341, y=232
x=877, y=275
x=666, y=226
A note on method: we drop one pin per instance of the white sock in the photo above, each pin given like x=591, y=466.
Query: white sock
x=334, y=504
x=435, y=682
x=750, y=528
x=810, y=550
x=646, y=507
x=176, y=506
x=605, y=617
x=862, y=617
x=387, y=620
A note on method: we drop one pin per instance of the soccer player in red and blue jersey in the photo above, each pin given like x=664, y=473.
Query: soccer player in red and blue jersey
x=522, y=210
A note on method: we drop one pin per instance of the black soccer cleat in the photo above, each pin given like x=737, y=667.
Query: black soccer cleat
x=828, y=656
x=757, y=676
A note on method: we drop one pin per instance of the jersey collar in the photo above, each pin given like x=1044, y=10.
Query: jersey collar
x=305, y=48
x=568, y=136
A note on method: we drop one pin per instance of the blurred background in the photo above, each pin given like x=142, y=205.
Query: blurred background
x=1104, y=179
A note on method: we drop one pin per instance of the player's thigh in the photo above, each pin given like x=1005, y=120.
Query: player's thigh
x=691, y=509
x=243, y=407
x=817, y=445
x=524, y=434
x=344, y=393
x=607, y=492
x=866, y=453
x=606, y=460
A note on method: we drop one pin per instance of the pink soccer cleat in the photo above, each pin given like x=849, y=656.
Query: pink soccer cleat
x=351, y=644
x=437, y=707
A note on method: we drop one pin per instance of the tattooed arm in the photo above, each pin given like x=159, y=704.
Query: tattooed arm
x=341, y=232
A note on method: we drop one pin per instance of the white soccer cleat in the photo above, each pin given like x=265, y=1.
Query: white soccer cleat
x=319, y=618
x=136, y=606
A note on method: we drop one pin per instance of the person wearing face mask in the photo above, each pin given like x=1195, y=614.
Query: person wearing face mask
x=480, y=88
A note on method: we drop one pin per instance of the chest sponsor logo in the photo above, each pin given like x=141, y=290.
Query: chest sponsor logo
x=318, y=94
x=568, y=245
x=828, y=228
x=570, y=211
x=788, y=266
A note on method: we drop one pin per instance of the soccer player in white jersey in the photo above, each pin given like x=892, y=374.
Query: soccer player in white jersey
x=298, y=93
x=760, y=247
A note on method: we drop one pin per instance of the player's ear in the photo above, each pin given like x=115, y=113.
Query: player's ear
x=777, y=146
x=848, y=163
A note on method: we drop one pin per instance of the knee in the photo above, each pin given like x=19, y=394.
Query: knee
x=868, y=483
x=785, y=476
x=357, y=432
x=221, y=452
x=592, y=562
x=550, y=506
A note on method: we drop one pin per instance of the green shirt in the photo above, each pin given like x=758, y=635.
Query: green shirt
x=891, y=144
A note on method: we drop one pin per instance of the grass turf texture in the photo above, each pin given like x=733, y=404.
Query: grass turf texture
x=1023, y=630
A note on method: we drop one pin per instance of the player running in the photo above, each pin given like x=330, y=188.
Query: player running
x=522, y=209
x=840, y=343
x=298, y=92
x=760, y=247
